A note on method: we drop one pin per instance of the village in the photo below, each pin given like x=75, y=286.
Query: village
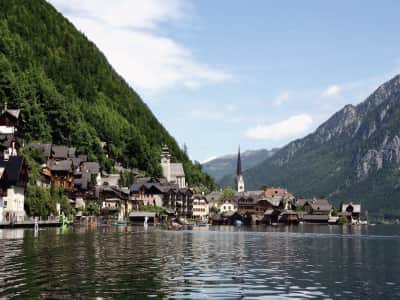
x=149, y=200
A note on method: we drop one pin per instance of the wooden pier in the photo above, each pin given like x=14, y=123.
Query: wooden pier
x=30, y=224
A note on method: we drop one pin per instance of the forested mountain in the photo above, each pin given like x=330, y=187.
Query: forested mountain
x=355, y=155
x=70, y=94
x=225, y=165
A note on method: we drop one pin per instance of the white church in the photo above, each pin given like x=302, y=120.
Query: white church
x=173, y=172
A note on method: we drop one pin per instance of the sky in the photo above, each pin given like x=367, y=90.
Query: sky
x=259, y=74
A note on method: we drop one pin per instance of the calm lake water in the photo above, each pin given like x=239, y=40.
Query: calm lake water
x=205, y=263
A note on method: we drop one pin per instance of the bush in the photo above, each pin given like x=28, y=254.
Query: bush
x=42, y=202
x=342, y=220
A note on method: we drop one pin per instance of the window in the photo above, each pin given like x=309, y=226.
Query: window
x=5, y=203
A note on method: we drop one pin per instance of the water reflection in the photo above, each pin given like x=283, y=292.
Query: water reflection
x=216, y=263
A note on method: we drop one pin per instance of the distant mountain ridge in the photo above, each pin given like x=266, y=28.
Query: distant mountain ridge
x=225, y=165
x=355, y=155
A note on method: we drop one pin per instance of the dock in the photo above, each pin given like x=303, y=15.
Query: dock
x=30, y=224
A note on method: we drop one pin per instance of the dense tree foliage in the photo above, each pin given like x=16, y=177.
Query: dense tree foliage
x=71, y=95
x=42, y=202
x=227, y=194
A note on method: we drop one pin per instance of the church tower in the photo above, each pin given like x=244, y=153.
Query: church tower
x=166, y=163
x=239, y=176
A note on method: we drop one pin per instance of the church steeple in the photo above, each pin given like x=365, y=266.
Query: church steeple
x=239, y=176
x=239, y=164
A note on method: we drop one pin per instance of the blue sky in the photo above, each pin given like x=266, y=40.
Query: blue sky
x=255, y=73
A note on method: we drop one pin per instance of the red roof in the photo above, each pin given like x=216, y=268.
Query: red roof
x=276, y=192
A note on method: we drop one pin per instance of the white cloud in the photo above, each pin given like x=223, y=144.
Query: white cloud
x=332, y=91
x=124, y=13
x=282, y=130
x=127, y=33
x=281, y=98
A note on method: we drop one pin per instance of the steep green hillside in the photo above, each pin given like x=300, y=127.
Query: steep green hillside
x=355, y=155
x=71, y=95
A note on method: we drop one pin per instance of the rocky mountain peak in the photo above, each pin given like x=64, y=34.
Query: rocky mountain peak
x=354, y=155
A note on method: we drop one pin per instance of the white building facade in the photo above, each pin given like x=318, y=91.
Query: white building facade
x=226, y=207
x=200, y=208
x=13, y=205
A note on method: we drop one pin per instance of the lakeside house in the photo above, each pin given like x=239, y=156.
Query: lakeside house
x=200, y=208
x=13, y=180
x=314, y=210
x=266, y=207
x=13, y=168
x=115, y=203
x=226, y=207
x=351, y=212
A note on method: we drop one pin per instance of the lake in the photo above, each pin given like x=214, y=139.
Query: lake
x=314, y=262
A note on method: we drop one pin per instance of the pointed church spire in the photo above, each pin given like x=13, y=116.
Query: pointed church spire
x=239, y=164
x=239, y=176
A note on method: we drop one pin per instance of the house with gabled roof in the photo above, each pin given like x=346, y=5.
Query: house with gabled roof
x=10, y=119
x=351, y=211
x=60, y=173
x=13, y=180
x=60, y=152
x=315, y=211
x=115, y=202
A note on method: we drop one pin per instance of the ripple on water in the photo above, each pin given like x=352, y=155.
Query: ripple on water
x=108, y=263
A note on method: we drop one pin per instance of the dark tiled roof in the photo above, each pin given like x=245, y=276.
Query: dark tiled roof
x=71, y=152
x=148, y=179
x=91, y=167
x=320, y=205
x=142, y=180
x=59, y=151
x=83, y=181
x=63, y=165
x=76, y=162
x=13, y=167
x=154, y=187
x=135, y=187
